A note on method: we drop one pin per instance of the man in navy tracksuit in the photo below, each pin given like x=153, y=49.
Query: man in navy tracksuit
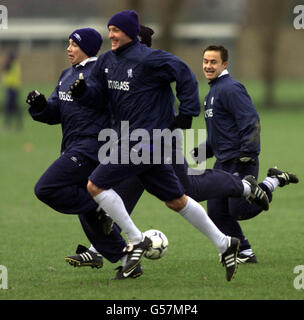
x=63, y=185
x=135, y=80
x=233, y=137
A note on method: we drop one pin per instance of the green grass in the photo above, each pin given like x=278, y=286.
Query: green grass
x=287, y=94
x=35, y=239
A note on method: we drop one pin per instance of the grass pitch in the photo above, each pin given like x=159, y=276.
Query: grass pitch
x=35, y=239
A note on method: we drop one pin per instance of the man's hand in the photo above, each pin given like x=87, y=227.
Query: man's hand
x=198, y=154
x=194, y=154
x=78, y=88
x=181, y=121
x=201, y=153
x=36, y=100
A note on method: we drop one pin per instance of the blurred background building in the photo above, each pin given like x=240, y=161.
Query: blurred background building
x=260, y=36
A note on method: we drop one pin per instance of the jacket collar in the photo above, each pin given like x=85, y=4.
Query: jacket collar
x=84, y=62
x=224, y=73
x=124, y=47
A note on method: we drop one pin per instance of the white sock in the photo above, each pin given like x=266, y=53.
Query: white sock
x=247, y=188
x=271, y=183
x=93, y=249
x=194, y=213
x=113, y=205
x=123, y=260
x=247, y=252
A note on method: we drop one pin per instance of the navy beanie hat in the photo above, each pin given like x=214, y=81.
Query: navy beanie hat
x=88, y=39
x=127, y=21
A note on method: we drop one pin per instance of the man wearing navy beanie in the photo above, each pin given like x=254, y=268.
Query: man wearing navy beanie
x=137, y=81
x=88, y=39
x=62, y=185
x=127, y=21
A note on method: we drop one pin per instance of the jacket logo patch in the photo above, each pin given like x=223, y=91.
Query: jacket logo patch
x=64, y=96
x=209, y=113
x=130, y=73
x=76, y=35
x=118, y=85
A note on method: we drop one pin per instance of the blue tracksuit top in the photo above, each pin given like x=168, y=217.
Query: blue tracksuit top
x=233, y=124
x=80, y=125
x=137, y=84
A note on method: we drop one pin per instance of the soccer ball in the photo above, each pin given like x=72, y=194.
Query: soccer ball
x=159, y=244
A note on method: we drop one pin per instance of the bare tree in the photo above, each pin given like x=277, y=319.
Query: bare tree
x=267, y=17
x=169, y=10
x=136, y=5
x=108, y=8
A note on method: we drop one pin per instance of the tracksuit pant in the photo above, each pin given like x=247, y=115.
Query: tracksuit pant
x=225, y=211
x=63, y=187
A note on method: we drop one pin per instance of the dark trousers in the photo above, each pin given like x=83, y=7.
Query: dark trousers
x=158, y=179
x=209, y=185
x=225, y=212
x=63, y=188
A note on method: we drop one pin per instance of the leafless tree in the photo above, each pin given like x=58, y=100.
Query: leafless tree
x=169, y=10
x=268, y=17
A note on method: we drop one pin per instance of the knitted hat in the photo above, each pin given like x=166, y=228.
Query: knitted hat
x=88, y=39
x=127, y=21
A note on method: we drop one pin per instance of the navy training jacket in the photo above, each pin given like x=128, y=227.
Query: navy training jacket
x=80, y=125
x=233, y=124
x=137, y=84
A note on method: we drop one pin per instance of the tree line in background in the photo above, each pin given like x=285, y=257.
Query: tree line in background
x=266, y=17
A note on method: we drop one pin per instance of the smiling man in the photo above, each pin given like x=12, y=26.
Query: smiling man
x=142, y=95
x=123, y=28
x=214, y=62
x=233, y=137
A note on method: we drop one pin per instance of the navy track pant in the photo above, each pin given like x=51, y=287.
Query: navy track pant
x=225, y=211
x=63, y=187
